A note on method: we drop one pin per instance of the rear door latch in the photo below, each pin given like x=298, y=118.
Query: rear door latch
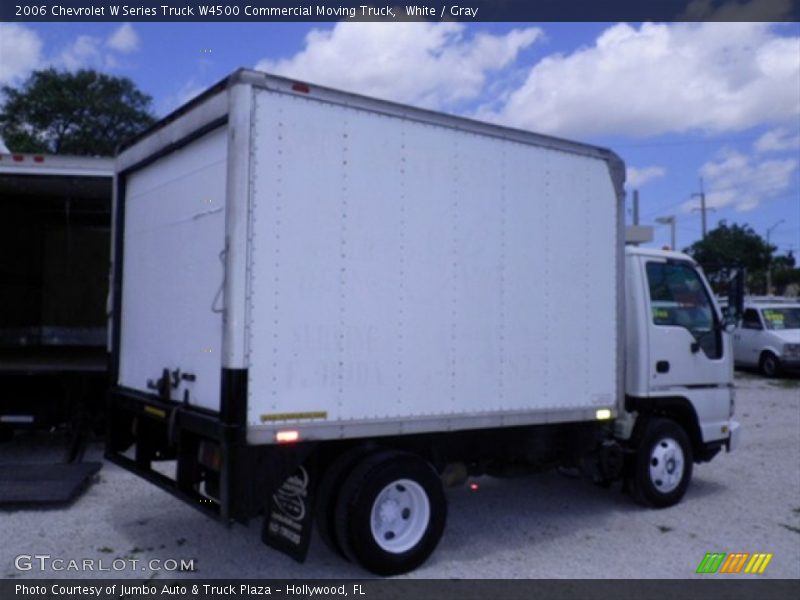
x=169, y=381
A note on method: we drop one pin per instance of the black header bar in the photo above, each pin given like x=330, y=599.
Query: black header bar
x=420, y=10
x=744, y=588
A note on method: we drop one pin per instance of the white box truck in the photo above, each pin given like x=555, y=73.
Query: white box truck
x=328, y=306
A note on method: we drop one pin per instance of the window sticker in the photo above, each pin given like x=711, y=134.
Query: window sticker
x=775, y=318
x=660, y=314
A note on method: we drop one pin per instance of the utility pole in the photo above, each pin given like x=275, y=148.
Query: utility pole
x=769, y=265
x=702, y=195
x=635, y=207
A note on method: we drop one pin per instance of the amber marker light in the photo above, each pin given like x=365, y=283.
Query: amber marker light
x=287, y=436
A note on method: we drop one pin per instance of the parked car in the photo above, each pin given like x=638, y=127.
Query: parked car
x=769, y=336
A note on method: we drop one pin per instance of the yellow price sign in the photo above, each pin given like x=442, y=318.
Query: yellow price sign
x=660, y=314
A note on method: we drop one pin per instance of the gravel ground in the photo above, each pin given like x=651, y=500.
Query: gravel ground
x=545, y=526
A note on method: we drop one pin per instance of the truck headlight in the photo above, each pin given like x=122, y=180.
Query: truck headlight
x=791, y=350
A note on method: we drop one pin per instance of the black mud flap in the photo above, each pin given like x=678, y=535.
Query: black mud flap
x=288, y=518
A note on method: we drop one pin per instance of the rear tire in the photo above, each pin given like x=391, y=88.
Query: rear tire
x=328, y=494
x=662, y=468
x=769, y=365
x=391, y=512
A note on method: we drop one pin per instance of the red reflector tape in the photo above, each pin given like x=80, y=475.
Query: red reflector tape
x=301, y=87
x=38, y=159
x=19, y=157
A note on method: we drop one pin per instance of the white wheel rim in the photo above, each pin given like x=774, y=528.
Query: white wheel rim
x=666, y=465
x=400, y=516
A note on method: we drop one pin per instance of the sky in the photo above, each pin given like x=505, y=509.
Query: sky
x=690, y=107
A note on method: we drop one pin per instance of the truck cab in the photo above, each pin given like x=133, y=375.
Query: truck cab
x=679, y=358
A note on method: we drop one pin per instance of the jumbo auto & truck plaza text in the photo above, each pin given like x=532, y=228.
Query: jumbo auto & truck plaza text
x=244, y=589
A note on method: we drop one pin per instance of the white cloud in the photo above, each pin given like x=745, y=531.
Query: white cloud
x=83, y=52
x=124, y=39
x=3, y=148
x=636, y=178
x=428, y=64
x=189, y=90
x=20, y=51
x=186, y=92
x=658, y=78
x=735, y=180
x=90, y=52
x=778, y=140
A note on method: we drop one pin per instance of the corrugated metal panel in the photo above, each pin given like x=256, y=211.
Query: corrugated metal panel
x=407, y=271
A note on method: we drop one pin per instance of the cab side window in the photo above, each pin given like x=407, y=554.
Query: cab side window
x=678, y=298
x=750, y=319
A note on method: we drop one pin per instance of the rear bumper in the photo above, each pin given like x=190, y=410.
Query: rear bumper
x=144, y=429
x=790, y=363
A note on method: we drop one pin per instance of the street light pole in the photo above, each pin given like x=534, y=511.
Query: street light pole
x=670, y=220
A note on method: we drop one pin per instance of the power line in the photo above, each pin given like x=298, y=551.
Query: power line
x=665, y=208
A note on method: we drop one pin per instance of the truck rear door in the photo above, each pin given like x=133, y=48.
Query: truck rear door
x=172, y=273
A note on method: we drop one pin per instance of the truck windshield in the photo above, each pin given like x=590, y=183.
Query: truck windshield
x=678, y=298
x=782, y=318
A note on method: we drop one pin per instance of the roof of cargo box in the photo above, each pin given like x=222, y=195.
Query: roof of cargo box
x=55, y=175
x=275, y=83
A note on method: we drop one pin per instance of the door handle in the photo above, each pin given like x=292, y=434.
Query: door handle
x=662, y=366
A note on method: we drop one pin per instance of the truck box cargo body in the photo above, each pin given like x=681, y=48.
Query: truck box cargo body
x=314, y=290
x=55, y=240
x=379, y=266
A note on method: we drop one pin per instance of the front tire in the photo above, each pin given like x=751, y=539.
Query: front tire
x=391, y=512
x=663, y=465
x=769, y=365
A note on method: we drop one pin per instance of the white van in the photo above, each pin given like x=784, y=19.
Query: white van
x=769, y=336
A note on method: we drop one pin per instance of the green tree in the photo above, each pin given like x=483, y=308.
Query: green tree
x=734, y=245
x=785, y=273
x=84, y=113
